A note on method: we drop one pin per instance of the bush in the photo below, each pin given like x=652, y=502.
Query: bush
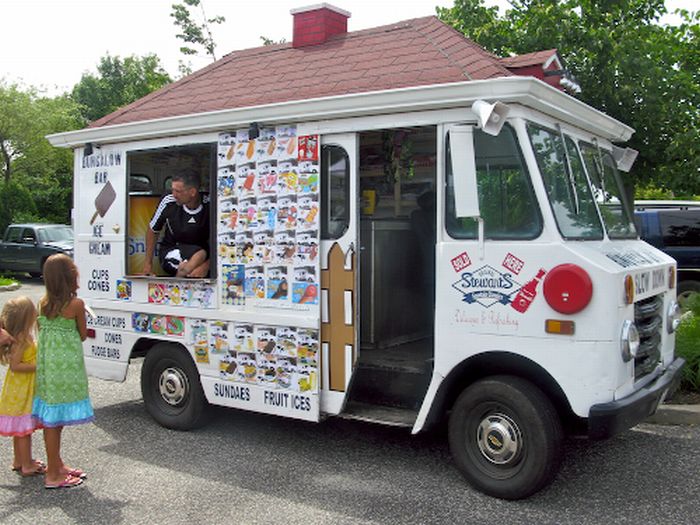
x=688, y=344
x=17, y=204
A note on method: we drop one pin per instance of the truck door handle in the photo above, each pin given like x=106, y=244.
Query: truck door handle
x=349, y=253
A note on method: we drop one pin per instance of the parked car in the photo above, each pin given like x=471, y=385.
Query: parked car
x=674, y=227
x=25, y=247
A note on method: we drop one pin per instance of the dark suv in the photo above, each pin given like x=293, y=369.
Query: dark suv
x=674, y=227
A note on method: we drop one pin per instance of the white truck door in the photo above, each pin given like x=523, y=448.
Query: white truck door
x=339, y=268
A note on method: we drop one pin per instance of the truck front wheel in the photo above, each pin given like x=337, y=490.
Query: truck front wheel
x=171, y=389
x=505, y=437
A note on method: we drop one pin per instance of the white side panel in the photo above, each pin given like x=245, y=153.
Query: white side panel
x=99, y=220
x=105, y=369
x=259, y=399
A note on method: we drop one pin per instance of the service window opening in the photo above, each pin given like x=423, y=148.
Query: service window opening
x=150, y=178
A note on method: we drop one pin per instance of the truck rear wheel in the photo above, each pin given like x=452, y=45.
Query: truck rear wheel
x=505, y=437
x=171, y=389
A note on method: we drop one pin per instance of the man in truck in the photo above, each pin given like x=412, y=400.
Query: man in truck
x=184, y=214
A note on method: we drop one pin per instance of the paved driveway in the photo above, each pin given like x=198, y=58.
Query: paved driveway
x=33, y=288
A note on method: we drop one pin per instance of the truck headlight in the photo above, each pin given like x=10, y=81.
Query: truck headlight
x=629, y=341
x=673, y=317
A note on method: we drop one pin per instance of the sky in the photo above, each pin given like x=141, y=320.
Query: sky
x=49, y=44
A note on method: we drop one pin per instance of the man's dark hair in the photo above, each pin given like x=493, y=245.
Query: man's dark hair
x=189, y=178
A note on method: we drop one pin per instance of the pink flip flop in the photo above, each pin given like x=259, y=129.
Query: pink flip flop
x=68, y=483
x=76, y=473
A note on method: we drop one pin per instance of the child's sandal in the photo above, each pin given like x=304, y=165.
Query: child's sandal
x=76, y=473
x=67, y=483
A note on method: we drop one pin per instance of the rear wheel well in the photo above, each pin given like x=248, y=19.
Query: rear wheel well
x=143, y=345
x=502, y=363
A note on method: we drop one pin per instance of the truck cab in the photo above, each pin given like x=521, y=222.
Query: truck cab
x=25, y=247
x=674, y=228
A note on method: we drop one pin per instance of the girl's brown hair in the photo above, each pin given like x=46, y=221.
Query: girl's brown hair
x=18, y=317
x=61, y=281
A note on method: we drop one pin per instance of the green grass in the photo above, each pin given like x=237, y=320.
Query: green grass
x=688, y=345
x=5, y=281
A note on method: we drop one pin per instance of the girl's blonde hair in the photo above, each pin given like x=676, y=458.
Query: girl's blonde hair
x=61, y=281
x=18, y=317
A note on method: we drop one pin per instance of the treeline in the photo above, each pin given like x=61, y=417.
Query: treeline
x=628, y=65
x=36, y=179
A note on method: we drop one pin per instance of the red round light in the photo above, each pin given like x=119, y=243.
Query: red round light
x=568, y=288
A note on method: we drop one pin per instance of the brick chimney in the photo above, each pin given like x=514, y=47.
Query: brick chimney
x=317, y=23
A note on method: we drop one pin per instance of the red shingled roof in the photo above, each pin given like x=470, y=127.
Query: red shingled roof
x=416, y=52
x=529, y=59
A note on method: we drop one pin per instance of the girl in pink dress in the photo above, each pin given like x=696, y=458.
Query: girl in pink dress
x=19, y=319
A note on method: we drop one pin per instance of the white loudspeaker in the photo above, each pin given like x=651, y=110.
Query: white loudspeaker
x=624, y=158
x=491, y=116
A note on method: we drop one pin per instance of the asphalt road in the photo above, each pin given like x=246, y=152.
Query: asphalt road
x=250, y=468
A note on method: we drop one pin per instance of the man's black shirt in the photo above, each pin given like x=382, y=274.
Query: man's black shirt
x=182, y=225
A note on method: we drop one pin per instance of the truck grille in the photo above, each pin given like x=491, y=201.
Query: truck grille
x=649, y=322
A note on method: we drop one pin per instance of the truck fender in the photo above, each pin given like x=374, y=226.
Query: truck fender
x=444, y=390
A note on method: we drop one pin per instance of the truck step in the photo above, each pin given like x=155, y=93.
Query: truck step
x=390, y=416
x=390, y=385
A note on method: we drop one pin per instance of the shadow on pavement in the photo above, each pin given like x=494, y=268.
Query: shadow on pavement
x=337, y=462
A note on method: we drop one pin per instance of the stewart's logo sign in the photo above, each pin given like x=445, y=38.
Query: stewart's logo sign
x=487, y=286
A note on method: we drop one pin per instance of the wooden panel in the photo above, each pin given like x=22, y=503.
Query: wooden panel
x=337, y=280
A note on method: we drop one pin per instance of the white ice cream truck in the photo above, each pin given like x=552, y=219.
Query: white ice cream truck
x=398, y=253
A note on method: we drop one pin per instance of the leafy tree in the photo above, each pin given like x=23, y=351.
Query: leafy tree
x=193, y=32
x=118, y=82
x=18, y=126
x=627, y=64
x=18, y=205
x=37, y=178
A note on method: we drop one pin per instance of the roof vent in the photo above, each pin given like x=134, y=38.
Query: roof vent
x=317, y=23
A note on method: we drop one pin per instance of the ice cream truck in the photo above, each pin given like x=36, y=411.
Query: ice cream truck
x=405, y=230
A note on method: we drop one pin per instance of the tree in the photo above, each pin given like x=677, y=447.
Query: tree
x=37, y=178
x=193, y=32
x=627, y=64
x=118, y=82
x=18, y=126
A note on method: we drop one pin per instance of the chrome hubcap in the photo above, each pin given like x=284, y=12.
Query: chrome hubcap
x=499, y=439
x=173, y=386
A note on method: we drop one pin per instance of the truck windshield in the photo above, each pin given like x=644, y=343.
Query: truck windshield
x=56, y=234
x=608, y=191
x=566, y=183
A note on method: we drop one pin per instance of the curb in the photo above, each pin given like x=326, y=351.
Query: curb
x=675, y=415
x=10, y=287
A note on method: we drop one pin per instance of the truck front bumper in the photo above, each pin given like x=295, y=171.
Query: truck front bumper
x=607, y=419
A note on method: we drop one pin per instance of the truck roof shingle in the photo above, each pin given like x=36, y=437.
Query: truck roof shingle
x=416, y=52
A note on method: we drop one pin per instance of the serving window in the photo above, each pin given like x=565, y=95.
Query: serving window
x=150, y=174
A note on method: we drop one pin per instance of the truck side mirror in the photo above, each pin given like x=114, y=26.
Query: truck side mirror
x=464, y=170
